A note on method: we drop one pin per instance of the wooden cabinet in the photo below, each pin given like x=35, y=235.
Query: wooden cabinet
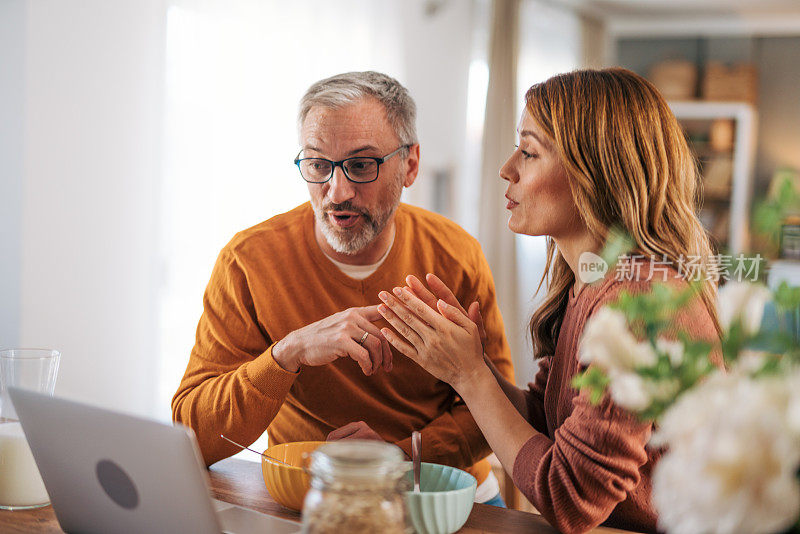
x=722, y=136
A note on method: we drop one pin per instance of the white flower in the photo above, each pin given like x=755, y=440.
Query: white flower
x=732, y=459
x=608, y=343
x=673, y=349
x=740, y=301
x=686, y=417
x=664, y=389
x=693, y=495
x=793, y=410
x=636, y=393
x=629, y=391
x=750, y=361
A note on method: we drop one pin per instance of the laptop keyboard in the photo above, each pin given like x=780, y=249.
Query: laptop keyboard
x=237, y=520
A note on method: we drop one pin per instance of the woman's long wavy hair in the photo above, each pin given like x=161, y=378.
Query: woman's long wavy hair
x=629, y=166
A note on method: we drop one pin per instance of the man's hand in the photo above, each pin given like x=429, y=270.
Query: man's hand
x=334, y=337
x=357, y=430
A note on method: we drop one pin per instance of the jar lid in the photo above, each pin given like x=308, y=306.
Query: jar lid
x=358, y=459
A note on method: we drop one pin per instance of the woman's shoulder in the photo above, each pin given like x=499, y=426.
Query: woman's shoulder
x=695, y=318
x=634, y=276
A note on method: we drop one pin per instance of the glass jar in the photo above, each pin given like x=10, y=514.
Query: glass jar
x=356, y=487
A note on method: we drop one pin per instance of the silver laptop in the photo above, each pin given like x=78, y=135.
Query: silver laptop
x=110, y=472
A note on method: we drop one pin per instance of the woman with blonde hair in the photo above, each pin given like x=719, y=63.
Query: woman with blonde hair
x=597, y=149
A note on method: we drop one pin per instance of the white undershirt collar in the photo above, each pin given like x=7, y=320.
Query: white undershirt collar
x=360, y=272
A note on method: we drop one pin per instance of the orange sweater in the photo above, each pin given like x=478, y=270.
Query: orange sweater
x=591, y=464
x=272, y=279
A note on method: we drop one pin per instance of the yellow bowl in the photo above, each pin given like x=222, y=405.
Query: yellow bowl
x=288, y=485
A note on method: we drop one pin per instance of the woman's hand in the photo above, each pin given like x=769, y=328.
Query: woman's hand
x=439, y=290
x=447, y=344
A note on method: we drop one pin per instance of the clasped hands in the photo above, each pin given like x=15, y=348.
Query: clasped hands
x=432, y=329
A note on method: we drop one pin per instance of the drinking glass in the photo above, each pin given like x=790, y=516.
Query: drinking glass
x=21, y=486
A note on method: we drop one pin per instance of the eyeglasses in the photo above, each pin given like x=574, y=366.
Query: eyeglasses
x=360, y=170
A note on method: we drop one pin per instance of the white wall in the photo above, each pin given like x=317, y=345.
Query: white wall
x=12, y=95
x=437, y=56
x=778, y=60
x=93, y=97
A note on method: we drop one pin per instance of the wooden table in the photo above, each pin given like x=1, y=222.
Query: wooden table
x=239, y=482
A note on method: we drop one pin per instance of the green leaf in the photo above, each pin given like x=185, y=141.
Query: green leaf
x=767, y=219
x=769, y=214
x=595, y=381
x=787, y=297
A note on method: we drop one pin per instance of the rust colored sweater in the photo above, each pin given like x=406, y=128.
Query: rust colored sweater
x=272, y=279
x=591, y=464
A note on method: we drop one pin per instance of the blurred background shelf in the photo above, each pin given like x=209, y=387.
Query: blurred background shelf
x=723, y=138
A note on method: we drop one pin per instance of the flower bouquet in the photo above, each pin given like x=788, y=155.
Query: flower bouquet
x=731, y=438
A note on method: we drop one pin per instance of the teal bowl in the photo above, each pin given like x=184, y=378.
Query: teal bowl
x=444, y=501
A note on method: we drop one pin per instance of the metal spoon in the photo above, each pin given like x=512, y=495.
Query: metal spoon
x=416, y=452
x=259, y=453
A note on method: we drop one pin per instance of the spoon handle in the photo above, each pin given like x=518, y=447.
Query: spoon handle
x=416, y=453
x=255, y=451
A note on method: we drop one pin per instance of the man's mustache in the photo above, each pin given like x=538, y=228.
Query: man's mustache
x=346, y=206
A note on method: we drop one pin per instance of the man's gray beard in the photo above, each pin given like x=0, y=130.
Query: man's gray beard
x=347, y=241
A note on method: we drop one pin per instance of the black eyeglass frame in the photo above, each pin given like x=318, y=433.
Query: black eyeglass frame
x=379, y=161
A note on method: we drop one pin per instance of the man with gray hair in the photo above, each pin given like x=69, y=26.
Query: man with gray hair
x=289, y=340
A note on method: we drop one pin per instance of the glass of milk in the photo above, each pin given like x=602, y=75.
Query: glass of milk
x=21, y=486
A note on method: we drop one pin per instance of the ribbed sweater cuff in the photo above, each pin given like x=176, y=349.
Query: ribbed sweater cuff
x=528, y=458
x=272, y=380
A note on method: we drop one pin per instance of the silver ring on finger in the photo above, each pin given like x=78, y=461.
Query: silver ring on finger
x=363, y=338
